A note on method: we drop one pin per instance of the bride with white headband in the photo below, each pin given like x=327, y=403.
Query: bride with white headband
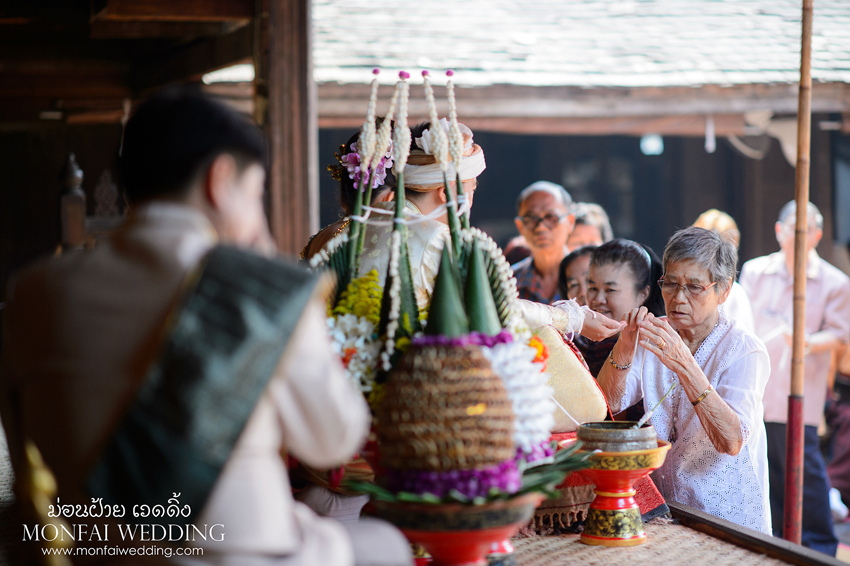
x=425, y=197
x=428, y=231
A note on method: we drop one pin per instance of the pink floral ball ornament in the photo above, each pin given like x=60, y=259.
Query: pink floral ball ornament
x=352, y=163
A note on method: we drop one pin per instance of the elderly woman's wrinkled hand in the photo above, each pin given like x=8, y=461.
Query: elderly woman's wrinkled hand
x=658, y=337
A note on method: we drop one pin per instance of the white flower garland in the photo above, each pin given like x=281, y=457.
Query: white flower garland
x=437, y=141
x=395, y=302
x=528, y=389
x=322, y=257
x=368, y=138
x=514, y=323
x=454, y=135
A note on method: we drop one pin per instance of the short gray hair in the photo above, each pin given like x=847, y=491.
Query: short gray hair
x=591, y=214
x=789, y=211
x=553, y=189
x=716, y=252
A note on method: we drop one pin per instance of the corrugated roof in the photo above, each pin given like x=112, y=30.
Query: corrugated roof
x=608, y=43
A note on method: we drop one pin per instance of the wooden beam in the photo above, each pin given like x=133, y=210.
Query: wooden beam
x=95, y=117
x=350, y=100
x=61, y=86
x=749, y=538
x=291, y=125
x=725, y=124
x=109, y=29
x=193, y=61
x=176, y=10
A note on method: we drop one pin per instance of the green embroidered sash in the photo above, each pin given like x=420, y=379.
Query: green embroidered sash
x=223, y=348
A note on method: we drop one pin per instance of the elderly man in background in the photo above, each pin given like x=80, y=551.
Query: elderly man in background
x=769, y=283
x=738, y=304
x=545, y=220
x=592, y=226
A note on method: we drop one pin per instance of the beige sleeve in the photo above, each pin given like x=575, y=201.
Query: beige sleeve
x=324, y=419
x=566, y=318
x=427, y=271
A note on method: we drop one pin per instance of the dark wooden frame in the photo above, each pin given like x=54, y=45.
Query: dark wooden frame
x=292, y=125
x=748, y=538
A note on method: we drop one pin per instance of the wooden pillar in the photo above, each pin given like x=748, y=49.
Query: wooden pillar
x=292, y=125
x=794, y=455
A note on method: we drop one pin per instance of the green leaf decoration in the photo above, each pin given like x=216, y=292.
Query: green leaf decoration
x=451, y=215
x=464, y=219
x=500, y=299
x=337, y=262
x=354, y=231
x=478, y=295
x=542, y=479
x=446, y=315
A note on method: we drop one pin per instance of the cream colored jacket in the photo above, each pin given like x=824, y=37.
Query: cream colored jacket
x=80, y=333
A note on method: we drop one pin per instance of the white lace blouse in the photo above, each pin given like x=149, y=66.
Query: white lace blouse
x=734, y=488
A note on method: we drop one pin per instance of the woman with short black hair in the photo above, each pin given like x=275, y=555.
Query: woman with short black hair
x=621, y=278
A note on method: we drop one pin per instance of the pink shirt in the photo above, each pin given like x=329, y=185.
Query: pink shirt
x=771, y=291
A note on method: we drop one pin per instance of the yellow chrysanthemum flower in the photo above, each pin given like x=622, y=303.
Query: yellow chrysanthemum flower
x=361, y=298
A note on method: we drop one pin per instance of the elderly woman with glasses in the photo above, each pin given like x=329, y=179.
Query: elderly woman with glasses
x=715, y=373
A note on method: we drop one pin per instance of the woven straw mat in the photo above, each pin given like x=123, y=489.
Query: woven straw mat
x=668, y=544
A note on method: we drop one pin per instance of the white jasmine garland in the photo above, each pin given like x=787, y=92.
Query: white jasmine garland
x=528, y=389
x=514, y=323
x=333, y=245
x=455, y=137
x=395, y=301
x=401, y=132
x=435, y=137
x=384, y=141
x=368, y=139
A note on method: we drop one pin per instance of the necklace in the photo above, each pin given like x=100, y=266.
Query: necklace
x=674, y=433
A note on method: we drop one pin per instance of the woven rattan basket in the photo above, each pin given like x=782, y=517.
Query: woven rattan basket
x=444, y=409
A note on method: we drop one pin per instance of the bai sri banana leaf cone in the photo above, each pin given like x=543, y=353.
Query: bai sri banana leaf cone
x=480, y=307
x=447, y=316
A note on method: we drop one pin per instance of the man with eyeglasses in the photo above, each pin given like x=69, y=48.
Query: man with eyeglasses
x=769, y=283
x=545, y=220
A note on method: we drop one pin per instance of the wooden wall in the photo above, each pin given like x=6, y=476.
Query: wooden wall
x=648, y=197
x=31, y=160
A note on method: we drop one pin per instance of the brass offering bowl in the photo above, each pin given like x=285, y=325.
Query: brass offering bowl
x=616, y=436
x=614, y=517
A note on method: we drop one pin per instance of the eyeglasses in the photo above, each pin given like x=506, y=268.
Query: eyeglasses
x=531, y=221
x=691, y=289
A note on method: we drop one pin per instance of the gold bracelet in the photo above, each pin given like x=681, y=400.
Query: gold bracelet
x=616, y=365
x=703, y=396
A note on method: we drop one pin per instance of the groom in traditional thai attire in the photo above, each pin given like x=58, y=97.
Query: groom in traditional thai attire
x=175, y=358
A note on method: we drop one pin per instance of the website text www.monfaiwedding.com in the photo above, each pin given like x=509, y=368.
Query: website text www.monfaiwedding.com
x=167, y=531
x=106, y=550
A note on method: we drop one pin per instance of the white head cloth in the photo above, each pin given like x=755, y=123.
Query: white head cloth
x=471, y=163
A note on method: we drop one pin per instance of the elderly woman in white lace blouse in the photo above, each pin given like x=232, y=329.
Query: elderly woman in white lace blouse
x=713, y=416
